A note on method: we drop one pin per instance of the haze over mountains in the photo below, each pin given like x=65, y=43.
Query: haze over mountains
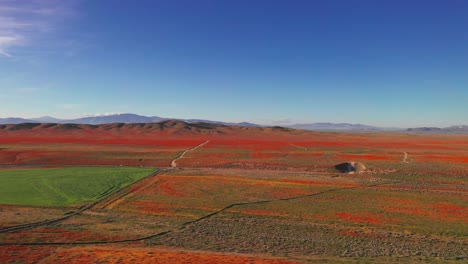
x=337, y=126
x=445, y=130
x=129, y=118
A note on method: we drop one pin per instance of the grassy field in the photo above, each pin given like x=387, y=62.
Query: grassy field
x=64, y=186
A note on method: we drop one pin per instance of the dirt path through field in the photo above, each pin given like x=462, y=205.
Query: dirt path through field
x=187, y=224
x=290, y=153
x=303, y=148
x=405, y=156
x=174, y=162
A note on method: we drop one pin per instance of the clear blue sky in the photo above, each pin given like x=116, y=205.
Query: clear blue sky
x=387, y=63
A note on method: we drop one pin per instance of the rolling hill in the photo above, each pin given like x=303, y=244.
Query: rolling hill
x=129, y=118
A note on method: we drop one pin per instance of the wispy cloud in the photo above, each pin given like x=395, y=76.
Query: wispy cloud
x=101, y=114
x=8, y=41
x=22, y=22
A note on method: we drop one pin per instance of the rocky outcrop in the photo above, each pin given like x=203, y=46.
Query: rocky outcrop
x=351, y=167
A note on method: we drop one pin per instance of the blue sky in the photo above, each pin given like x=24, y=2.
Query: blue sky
x=386, y=63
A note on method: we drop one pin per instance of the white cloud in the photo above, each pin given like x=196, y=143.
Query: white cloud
x=22, y=22
x=4, y=53
x=8, y=41
x=101, y=114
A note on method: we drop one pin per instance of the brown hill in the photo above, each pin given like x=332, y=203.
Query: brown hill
x=113, y=126
x=174, y=127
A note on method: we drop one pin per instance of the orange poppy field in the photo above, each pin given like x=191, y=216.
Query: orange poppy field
x=227, y=194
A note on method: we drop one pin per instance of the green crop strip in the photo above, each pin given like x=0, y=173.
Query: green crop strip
x=64, y=186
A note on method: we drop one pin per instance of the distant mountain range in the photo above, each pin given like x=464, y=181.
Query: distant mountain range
x=15, y=120
x=133, y=118
x=116, y=118
x=438, y=130
x=107, y=119
x=336, y=126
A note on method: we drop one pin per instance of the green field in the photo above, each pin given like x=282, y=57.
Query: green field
x=64, y=186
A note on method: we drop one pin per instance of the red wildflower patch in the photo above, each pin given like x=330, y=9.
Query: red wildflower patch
x=441, y=211
x=330, y=143
x=443, y=158
x=451, y=210
x=406, y=210
x=338, y=198
x=56, y=235
x=152, y=207
x=256, y=145
x=265, y=155
x=24, y=254
x=307, y=154
x=170, y=188
x=289, y=192
x=80, y=255
x=306, y=182
x=98, y=137
x=366, y=157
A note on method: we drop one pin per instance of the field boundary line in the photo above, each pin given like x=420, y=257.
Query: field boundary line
x=125, y=192
x=79, y=211
x=186, y=224
x=277, y=200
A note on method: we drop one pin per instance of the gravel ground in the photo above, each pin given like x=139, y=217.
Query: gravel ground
x=278, y=237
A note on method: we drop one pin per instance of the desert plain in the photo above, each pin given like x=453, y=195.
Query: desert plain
x=206, y=193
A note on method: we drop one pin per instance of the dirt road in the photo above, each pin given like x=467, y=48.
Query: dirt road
x=174, y=162
x=405, y=156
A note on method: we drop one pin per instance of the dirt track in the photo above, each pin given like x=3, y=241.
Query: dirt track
x=303, y=148
x=405, y=156
x=182, y=226
x=174, y=162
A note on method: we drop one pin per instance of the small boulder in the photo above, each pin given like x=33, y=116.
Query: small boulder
x=351, y=167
